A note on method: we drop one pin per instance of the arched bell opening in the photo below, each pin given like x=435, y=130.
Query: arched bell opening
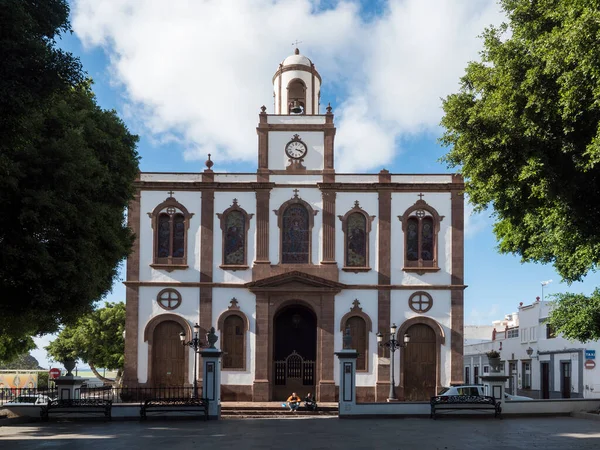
x=296, y=97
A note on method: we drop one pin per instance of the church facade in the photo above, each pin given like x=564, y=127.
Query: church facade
x=284, y=261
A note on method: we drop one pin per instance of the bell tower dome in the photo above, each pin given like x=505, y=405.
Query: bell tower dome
x=297, y=86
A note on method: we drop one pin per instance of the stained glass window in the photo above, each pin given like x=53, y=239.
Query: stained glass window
x=356, y=241
x=235, y=235
x=163, y=246
x=233, y=343
x=178, y=236
x=295, y=235
x=412, y=239
x=427, y=239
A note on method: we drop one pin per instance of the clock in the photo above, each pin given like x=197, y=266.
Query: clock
x=296, y=149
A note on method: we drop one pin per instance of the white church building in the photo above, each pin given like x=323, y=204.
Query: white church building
x=283, y=260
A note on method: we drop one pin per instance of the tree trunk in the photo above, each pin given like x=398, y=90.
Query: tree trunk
x=100, y=377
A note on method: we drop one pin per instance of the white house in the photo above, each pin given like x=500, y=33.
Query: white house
x=540, y=363
x=283, y=259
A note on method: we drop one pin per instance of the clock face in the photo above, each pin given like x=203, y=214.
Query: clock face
x=295, y=149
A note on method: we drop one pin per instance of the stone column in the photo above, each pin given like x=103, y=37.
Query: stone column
x=382, y=387
x=211, y=386
x=328, y=227
x=347, y=401
x=326, y=387
x=457, y=279
x=260, y=389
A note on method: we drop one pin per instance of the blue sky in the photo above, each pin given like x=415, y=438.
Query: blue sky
x=183, y=74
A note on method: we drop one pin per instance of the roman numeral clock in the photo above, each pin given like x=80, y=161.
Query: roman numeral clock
x=296, y=150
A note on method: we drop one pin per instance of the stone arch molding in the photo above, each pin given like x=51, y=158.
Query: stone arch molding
x=149, y=338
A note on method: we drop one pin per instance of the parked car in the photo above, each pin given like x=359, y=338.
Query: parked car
x=32, y=399
x=510, y=397
x=477, y=390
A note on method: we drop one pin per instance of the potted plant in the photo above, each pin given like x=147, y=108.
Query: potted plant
x=494, y=360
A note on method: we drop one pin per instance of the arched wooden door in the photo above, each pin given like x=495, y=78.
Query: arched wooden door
x=420, y=364
x=168, y=361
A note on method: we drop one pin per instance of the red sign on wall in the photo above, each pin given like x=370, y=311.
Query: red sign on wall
x=54, y=373
x=590, y=364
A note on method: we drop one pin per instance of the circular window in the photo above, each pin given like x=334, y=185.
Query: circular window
x=169, y=299
x=420, y=302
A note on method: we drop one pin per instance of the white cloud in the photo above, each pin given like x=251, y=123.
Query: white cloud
x=201, y=70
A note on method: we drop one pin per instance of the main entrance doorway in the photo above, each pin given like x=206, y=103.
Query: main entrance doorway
x=420, y=364
x=168, y=355
x=294, y=352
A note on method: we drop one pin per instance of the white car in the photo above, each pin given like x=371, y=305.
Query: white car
x=32, y=399
x=477, y=390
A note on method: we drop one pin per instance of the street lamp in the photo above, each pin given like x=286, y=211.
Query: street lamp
x=545, y=283
x=393, y=345
x=196, y=345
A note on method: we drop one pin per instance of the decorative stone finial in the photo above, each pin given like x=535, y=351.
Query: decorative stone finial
x=211, y=337
x=295, y=191
x=328, y=109
x=347, y=340
x=263, y=109
x=209, y=163
x=356, y=204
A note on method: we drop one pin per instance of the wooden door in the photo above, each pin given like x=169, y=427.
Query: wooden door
x=545, y=380
x=168, y=355
x=420, y=358
x=565, y=379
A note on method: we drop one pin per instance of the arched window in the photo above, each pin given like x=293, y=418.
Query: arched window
x=170, y=221
x=233, y=343
x=233, y=325
x=356, y=225
x=295, y=219
x=235, y=223
x=360, y=326
x=296, y=97
x=358, y=331
x=421, y=225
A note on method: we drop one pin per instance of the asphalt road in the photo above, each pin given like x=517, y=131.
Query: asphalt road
x=333, y=433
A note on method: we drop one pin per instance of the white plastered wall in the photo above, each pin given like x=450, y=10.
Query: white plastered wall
x=314, y=140
x=149, y=308
x=281, y=195
x=288, y=76
x=368, y=303
x=247, y=304
x=369, y=203
x=149, y=200
x=246, y=201
x=440, y=312
x=442, y=204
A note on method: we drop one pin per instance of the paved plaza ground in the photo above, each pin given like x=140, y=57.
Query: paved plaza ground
x=423, y=434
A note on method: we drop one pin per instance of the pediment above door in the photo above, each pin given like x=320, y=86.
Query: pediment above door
x=297, y=281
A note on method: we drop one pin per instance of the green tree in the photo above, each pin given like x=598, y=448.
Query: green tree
x=524, y=130
x=66, y=174
x=96, y=339
x=577, y=316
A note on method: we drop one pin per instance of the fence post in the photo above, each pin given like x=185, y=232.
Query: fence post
x=347, y=400
x=211, y=381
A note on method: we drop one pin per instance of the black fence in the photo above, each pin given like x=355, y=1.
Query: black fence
x=11, y=396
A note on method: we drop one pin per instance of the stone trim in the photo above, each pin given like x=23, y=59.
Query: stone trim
x=328, y=227
x=149, y=337
x=234, y=310
x=300, y=67
x=223, y=219
x=368, y=220
x=206, y=257
x=170, y=263
x=169, y=290
x=421, y=293
x=457, y=278
x=262, y=226
x=295, y=200
x=132, y=295
x=440, y=340
x=421, y=266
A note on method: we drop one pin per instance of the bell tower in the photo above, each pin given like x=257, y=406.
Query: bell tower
x=297, y=86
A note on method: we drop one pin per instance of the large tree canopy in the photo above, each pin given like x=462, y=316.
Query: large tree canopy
x=66, y=174
x=576, y=316
x=96, y=339
x=524, y=130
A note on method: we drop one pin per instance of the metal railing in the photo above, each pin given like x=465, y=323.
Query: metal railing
x=24, y=396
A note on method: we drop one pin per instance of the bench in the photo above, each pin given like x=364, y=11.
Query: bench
x=83, y=405
x=464, y=402
x=175, y=404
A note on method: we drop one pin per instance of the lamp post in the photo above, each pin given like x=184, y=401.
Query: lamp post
x=545, y=283
x=393, y=345
x=196, y=345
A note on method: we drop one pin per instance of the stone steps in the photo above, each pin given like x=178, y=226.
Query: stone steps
x=274, y=412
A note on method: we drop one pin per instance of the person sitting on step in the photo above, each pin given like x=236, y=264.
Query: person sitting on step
x=293, y=402
x=310, y=403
